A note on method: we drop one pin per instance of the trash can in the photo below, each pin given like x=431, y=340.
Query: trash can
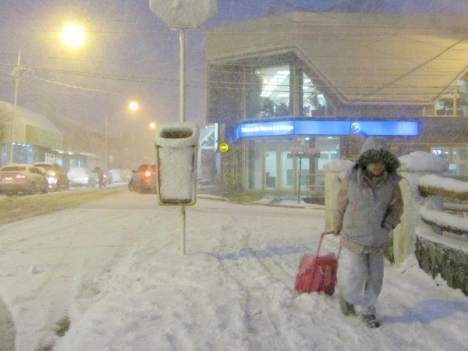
x=176, y=163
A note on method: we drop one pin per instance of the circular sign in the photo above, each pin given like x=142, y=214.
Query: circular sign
x=223, y=147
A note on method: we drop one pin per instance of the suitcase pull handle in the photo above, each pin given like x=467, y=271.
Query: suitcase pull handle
x=329, y=232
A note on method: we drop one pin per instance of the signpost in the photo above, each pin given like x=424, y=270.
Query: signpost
x=183, y=14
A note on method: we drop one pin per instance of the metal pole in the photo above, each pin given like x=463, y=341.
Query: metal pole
x=182, y=74
x=182, y=119
x=182, y=239
x=13, y=119
x=15, y=102
x=299, y=179
x=107, y=145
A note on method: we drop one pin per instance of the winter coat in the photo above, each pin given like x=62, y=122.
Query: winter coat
x=369, y=207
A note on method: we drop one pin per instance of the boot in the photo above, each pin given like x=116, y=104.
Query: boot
x=346, y=308
x=370, y=321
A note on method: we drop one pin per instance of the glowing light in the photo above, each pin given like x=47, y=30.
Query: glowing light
x=133, y=106
x=73, y=35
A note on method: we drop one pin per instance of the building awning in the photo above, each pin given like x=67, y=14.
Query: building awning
x=359, y=58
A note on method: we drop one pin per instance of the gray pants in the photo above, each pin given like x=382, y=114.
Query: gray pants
x=363, y=283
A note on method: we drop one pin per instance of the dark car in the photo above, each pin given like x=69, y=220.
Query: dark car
x=55, y=174
x=143, y=179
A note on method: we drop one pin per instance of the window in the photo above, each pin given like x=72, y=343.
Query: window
x=314, y=102
x=454, y=102
x=273, y=94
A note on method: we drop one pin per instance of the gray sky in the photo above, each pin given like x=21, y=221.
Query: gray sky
x=130, y=53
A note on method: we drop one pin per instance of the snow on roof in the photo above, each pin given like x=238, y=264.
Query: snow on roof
x=29, y=117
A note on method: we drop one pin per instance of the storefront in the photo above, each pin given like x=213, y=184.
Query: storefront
x=288, y=155
x=290, y=104
x=35, y=139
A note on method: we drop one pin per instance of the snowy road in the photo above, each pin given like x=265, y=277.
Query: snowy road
x=114, y=269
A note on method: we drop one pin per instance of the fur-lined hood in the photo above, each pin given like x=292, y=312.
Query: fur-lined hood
x=376, y=150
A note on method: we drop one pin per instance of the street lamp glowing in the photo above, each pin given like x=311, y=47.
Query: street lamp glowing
x=133, y=106
x=73, y=35
x=152, y=125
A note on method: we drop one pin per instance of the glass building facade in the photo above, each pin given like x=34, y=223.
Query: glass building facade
x=271, y=89
x=265, y=91
x=283, y=129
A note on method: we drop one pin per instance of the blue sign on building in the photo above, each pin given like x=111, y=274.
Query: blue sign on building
x=315, y=127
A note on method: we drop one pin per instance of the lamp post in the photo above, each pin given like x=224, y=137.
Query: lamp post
x=16, y=74
x=133, y=106
x=72, y=35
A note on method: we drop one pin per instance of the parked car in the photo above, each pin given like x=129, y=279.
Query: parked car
x=22, y=178
x=143, y=179
x=81, y=176
x=120, y=175
x=55, y=174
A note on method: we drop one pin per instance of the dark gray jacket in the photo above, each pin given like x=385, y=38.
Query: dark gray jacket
x=369, y=207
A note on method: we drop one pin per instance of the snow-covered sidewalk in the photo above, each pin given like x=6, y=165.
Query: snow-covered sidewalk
x=113, y=268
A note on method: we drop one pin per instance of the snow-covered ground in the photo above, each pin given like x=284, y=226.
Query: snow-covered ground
x=113, y=267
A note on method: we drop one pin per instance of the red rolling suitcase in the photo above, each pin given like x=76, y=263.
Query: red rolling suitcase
x=317, y=273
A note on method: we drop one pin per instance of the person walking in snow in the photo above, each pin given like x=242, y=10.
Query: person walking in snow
x=100, y=174
x=369, y=206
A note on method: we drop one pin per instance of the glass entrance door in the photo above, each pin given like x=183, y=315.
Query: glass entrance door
x=270, y=165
